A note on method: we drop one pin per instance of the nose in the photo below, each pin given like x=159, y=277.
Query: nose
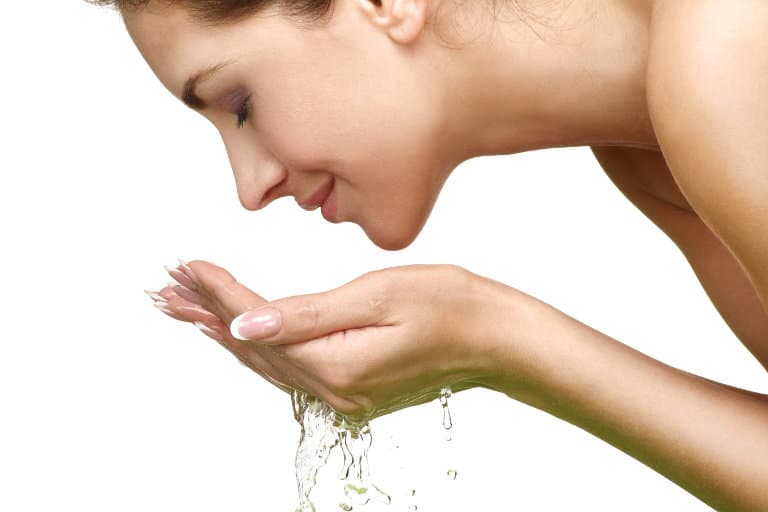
x=258, y=174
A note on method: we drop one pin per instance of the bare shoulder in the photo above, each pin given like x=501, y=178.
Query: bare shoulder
x=707, y=54
x=704, y=25
x=707, y=87
x=707, y=63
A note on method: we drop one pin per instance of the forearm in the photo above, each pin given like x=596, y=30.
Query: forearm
x=709, y=438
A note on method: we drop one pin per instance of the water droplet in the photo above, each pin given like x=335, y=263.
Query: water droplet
x=413, y=507
x=413, y=492
x=445, y=394
x=452, y=473
x=346, y=507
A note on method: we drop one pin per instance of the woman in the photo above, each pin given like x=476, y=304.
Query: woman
x=363, y=108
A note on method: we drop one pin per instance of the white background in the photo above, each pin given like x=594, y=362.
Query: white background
x=108, y=405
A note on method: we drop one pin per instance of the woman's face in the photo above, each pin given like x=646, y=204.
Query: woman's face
x=304, y=109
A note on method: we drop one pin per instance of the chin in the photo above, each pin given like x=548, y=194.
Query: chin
x=392, y=240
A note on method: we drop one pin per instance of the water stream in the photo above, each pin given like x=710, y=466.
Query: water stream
x=322, y=430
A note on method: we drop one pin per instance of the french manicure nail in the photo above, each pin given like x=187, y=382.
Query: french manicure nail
x=188, y=271
x=210, y=332
x=253, y=325
x=168, y=311
x=186, y=293
x=155, y=296
x=162, y=307
x=181, y=278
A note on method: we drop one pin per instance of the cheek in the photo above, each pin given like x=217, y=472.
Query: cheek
x=318, y=121
x=292, y=129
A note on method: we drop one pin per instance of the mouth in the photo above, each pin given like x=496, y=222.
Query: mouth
x=318, y=197
x=329, y=204
x=324, y=197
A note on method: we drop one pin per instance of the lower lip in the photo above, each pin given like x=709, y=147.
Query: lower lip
x=329, y=206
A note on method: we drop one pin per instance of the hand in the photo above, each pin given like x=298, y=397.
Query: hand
x=386, y=340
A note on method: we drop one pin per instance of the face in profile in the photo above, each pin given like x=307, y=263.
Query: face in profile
x=338, y=113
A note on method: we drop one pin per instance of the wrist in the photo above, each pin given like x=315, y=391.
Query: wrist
x=503, y=337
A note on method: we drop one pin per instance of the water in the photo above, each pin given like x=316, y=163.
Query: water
x=322, y=430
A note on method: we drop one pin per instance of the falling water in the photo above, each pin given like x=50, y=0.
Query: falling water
x=322, y=430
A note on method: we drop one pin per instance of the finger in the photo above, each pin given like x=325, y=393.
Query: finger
x=175, y=306
x=349, y=362
x=263, y=360
x=222, y=294
x=358, y=304
x=160, y=300
x=272, y=364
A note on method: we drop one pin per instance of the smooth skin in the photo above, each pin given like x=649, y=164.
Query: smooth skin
x=672, y=96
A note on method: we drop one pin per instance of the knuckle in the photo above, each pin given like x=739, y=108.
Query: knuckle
x=380, y=287
x=308, y=315
x=378, y=305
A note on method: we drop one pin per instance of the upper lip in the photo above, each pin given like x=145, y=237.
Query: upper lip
x=318, y=197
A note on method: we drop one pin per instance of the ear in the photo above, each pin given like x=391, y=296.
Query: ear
x=404, y=20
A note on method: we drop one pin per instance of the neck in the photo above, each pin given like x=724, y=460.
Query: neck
x=568, y=75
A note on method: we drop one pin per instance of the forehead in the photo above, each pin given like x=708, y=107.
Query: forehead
x=175, y=45
x=159, y=32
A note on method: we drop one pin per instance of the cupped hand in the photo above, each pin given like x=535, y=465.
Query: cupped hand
x=386, y=340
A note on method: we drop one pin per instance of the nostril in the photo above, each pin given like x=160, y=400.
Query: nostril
x=271, y=194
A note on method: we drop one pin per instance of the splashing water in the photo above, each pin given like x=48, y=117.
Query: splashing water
x=322, y=430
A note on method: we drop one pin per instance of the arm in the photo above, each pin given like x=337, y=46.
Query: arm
x=708, y=438
x=707, y=85
x=391, y=338
x=656, y=194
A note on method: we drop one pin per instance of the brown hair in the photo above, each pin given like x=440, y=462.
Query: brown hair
x=223, y=11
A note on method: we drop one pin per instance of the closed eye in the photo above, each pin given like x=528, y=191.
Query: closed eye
x=244, y=112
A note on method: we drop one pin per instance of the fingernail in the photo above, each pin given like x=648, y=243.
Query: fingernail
x=168, y=311
x=253, y=325
x=188, y=271
x=186, y=293
x=181, y=278
x=155, y=296
x=210, y=332
x=163, y=307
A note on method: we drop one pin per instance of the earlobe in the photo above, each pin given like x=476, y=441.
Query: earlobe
x=411, y=16
x=404, y=20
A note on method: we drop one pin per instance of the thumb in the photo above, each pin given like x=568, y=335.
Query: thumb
x=306, y=317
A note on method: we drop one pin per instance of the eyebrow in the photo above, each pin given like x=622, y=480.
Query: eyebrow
x=189, y=95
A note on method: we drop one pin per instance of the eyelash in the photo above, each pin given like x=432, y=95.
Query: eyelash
x=244, y=112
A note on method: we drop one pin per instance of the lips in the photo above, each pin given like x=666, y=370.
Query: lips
x=319, y=196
